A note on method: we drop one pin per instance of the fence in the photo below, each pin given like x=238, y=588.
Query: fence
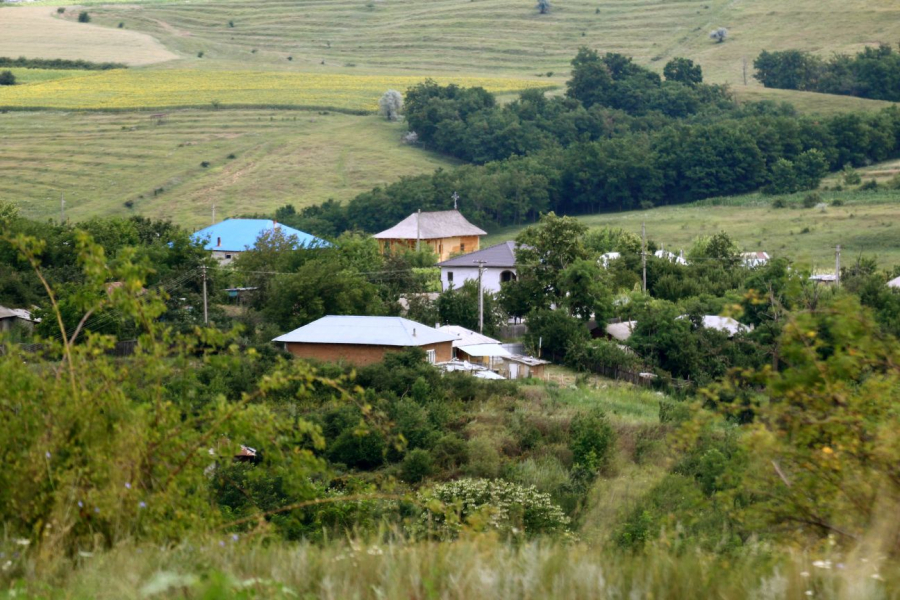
x=120, y=349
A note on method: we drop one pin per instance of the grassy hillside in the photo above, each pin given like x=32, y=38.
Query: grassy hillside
x=37, y=32
x=489, y=36
x=866, y=224
x=102, y=161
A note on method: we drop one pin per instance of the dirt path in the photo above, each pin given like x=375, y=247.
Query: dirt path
x=34, y=32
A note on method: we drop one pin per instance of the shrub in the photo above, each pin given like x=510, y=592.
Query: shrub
x=850, y=176
x=484, y=460
x=546, y=474
x=508, y=508
x=60, y=10
x=450, y=452
x=205, y=164
x=837, y=202
x=200, y=54
x=84, y=17
x=592, y=441
x=7, y=78
x=811, y=200
x=869, y=186
x=231, y=23
x=416, y=466
x=779, y=203
x=360, y=451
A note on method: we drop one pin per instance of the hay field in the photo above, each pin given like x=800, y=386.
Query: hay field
x=100, y=161
x=867, y=224
x=39, y=32
x=141, y=89
x=504, y=36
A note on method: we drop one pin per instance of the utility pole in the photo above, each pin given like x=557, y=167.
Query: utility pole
x=455, y=197
x=205, y=310
x=418, y=229
x=480, y=296
x=644, y=255
x=745, y=70
x=837, y=265
x=62, y=209
x=214, y=213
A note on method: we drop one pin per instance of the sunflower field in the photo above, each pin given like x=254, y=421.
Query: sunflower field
x=129, y=89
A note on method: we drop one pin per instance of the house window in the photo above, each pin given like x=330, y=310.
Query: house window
x=449, y=276
x=228, y=256
x=462, y=247
x=507, y=276
x=431, y=355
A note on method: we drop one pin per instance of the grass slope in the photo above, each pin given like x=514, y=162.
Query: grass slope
x=100, y=161
x=867, y=223
x=37, y=32
x=490, y=36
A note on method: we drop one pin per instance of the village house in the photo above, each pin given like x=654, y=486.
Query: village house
x=365, y=340
x=754, y=259
x=445, y=232
x=11, y=318
x=499, y=264
x=473, y=347
x=227, y=239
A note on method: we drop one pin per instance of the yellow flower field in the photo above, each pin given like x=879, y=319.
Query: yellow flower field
x=137, y=89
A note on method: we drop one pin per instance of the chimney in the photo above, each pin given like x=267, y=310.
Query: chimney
x=218, y=241
x=414, y=332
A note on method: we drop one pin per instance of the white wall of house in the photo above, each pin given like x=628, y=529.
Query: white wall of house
x=457, y=276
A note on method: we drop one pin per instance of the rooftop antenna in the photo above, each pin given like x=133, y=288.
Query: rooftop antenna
x=455, y=197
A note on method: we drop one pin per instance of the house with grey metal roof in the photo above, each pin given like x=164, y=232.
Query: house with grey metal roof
x=446, y=232
x=361, y=340
x=499, y=263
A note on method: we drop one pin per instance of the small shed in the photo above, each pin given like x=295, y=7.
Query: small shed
x=523, y=367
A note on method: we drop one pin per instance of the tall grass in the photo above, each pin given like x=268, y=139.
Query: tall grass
x=469, y=569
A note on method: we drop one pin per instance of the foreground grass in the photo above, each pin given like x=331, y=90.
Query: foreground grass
x=867, y=223
x=100, y=162
x=477, y=567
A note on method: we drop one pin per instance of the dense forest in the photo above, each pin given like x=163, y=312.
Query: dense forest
x=622, y=138
x=872, y=73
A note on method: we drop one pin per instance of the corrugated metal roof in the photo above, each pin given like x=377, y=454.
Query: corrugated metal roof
x=237, y=235
x=466, y=337
x=19, y=313
x=369, y=331
x=430, y=226
x=485, y=350
x=497, y=256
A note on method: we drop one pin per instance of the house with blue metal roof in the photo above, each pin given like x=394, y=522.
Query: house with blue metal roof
x=227, y=239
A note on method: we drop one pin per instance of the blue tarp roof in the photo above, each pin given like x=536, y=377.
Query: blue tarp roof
x=236, y=235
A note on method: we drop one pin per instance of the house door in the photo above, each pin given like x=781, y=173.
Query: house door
x=513, y=371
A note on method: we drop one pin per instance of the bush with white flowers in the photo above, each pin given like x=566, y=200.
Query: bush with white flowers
x=489, y=504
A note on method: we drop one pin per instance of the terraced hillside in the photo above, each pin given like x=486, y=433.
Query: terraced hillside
x=116, y=164
x=488, y=36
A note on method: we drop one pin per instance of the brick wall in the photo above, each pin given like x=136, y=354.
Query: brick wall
x=359, y=354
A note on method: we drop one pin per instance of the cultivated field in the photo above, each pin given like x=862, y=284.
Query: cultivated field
x=100, y=161
x=143, y=89
x=38, y=32
x=866, y=224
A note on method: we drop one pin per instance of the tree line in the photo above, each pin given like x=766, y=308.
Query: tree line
x=59, y=63
x=872, y=73
x=621, y=139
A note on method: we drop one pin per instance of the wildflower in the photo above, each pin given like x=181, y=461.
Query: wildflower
x=7, y=565
x=804, y=573
x=827, y=450
x=127, y=485
x=375, y=551
x=822, y=564
x=97, y=510
x=47, y=454
x=80, y=504
x=221, y=544
x=808, y=592
x=142, y=504
x=23, y=542
x=877, y=577
x=84, y=554
x=235, y=537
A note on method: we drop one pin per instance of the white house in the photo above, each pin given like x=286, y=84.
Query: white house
x=894, y=283
x=754, y=259
x=499, y=267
